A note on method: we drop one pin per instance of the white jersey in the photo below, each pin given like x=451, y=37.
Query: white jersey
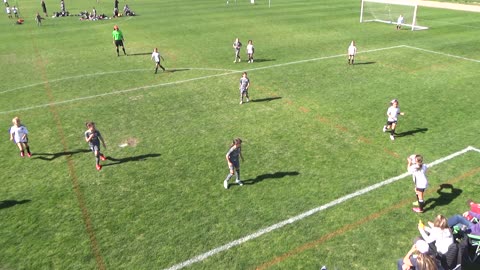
x=400, y=20
x=250, y=48
x=156, y=56
x=419, y=175
x=352, y=50
x=19, y=134
x=393, y=113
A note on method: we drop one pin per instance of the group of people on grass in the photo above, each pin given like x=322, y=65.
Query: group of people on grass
x=442, y=243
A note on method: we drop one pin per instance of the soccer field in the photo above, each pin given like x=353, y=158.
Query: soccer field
x=323, y=184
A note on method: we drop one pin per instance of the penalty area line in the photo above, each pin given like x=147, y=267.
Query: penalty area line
x=308, y=213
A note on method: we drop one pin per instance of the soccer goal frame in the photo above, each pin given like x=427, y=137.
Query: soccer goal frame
x=410, y=22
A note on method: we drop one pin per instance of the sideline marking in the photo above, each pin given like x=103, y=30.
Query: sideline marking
x=308, y=213
x=230, y=72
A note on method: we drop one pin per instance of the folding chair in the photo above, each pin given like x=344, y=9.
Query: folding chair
x=474, y=241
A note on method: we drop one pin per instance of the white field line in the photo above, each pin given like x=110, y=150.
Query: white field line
x=444, y=54
x=279, y=225
x=183, y=81
x=104, y=73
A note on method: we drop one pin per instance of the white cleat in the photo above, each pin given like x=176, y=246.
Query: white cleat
x=225, y=184
x=240, y=183
x=392, y=137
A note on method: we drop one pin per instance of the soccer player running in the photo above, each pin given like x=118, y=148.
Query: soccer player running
x=19, y=135
x=233, y=162
x=93, y=138
x=352, y=50
x=392, y=113
x=244, y=85
x=118, y=39
x=156, y=58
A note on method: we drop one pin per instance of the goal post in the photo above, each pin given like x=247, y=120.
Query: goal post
x=388, y=11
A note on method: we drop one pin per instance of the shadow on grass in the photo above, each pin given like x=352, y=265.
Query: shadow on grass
x=263, y=60
x=52, y=156
x=136, y=54
x=117, y=161
x=364, y=63
x=10, y=203
x=176, y=70
x=444, y=198
x=265, y=99
x=262, y=177
x=411, y=132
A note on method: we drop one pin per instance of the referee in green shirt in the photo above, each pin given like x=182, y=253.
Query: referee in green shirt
x=118, y=39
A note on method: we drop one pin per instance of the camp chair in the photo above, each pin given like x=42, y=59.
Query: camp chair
x=474, y=241
x=452, y=259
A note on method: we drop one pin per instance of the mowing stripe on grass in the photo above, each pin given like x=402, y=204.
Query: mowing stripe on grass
x=281, y=224
x=189, y=80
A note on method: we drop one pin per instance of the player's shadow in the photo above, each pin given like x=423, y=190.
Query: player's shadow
x=176, y=70
x=444, y=198
x=364, y=63
x=265, y=99
x=263, y=60
x=117, y=161
x=136, y=54
x=10, y=203
x=266, y=176
x=52, y=156
x=411, y=132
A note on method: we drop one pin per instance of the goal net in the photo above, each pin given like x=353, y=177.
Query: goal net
x=388, y=11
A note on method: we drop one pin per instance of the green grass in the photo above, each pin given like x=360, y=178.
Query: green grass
x=313, y=136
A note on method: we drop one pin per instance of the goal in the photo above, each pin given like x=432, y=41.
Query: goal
x=388, y=11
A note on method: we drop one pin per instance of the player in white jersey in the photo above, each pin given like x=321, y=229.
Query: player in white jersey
x=156, y=58
x=250, y=51
x=352, y=51
x=418, y=171
x=392, y=113
x=19, y=135
x=399, y=22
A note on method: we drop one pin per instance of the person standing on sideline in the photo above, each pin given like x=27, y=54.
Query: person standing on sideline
x=93, y=138
x=233, y=162
x=399, y=22
x=244, y=85
x=419, y=173
x=118, y=39
x=19, y=135
x=156, y=58
x=352, y=51
x=392, y=113
x=250, y=51
x=44, y=8
x=237, y=45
